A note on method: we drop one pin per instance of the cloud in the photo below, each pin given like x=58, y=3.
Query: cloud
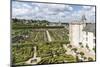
x=51, y=12
x=88, y=11
x=87, y=7
x=20, y=9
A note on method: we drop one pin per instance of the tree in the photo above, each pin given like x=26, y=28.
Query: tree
x=82, y=54
x=87, y=47
x=69, y=46
x=77, y=59
x=74, y=49
x=94, y=49
x=90, y=59
x=85, y=58
x=80, y=43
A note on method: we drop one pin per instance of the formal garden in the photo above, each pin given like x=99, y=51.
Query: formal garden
x=43, y=45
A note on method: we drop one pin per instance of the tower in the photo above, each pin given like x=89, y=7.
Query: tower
x=83, y=19
x=76, y=31
x=81, y=27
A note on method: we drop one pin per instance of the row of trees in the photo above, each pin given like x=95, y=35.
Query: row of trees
x=30, y=22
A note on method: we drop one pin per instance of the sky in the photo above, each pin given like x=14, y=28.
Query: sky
x=52, y=12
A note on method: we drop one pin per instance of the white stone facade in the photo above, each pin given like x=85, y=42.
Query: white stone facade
x=77, y=35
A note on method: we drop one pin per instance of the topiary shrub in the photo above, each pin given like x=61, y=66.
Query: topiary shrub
x=82, y=54
x=90, y=59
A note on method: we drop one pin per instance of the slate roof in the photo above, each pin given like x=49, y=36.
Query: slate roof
x=90, y=27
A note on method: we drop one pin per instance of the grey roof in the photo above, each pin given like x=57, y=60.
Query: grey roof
x=90, y=27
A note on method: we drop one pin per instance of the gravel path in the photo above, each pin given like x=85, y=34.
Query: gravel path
x=34, y=59
x=48, y=36
x=86, y=51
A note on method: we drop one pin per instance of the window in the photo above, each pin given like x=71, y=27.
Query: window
x=86, y=33
x=94, y=40
x=86, y=39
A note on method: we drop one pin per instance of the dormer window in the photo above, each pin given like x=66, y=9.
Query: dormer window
x=86, y=33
